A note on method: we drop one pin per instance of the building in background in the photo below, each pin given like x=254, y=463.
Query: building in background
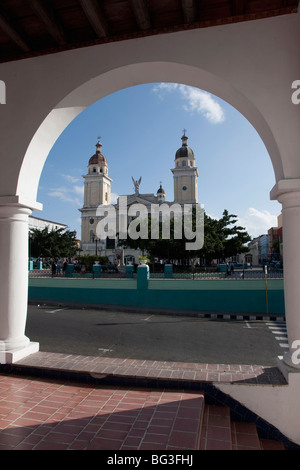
x=275, y=241
x=97, y=191
x=258, y=251
x=40, y=224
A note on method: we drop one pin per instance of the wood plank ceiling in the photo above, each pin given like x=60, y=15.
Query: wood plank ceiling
x=37, y=27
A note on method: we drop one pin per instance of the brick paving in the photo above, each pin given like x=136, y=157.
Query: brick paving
x=156, y=370
x=40, y=411
x=53, y=415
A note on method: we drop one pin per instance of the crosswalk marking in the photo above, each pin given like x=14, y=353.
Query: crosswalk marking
x=279, y=329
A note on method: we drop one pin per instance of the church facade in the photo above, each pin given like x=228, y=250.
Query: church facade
x=97, y=192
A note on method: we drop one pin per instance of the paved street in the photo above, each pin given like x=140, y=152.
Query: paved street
x=152, y=337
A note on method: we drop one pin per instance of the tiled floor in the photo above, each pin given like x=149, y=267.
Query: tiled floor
x=134, y=368
x=48, y=413
x=52, y=415
x=244, y=437
x=216, y=429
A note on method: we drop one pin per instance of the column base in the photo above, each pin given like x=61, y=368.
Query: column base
x=14, y=355
x=286, y=367
x=289, y=360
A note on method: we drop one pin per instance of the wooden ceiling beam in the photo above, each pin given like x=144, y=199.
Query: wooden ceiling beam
x=43, y=10
x=8, y=28
x=189, y=10
x=239, y=7
x=95, y=16
x=141, y=14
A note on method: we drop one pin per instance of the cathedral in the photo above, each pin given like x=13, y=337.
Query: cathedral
x=97, y=191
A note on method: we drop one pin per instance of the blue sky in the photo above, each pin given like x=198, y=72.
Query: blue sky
x=141, y=129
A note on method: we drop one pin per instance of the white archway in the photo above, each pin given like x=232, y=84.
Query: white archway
x=251, y=65
x=134, y=74
x=124, y=77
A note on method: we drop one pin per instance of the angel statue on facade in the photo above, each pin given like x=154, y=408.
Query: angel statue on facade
x=136, y=184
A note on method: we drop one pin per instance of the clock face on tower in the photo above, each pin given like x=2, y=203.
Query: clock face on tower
x=184, y=188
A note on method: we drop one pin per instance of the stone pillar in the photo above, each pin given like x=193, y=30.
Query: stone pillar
x=129, y=271
x=14, y=345
x=142, y=277
x=290, y=201
x=97, y=268
x=168, y=270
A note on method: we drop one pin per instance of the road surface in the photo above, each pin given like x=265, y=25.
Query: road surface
x=154, y=337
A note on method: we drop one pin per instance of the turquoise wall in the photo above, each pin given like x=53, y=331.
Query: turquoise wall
x=247, y=296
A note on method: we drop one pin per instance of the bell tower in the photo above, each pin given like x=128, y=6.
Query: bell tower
x=185, y=174
x=97, y=191
x=97, y=183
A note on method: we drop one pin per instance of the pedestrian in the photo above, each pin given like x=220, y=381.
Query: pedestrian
x=228, y=269
x=58, y=267
x=83, y=270
x=65, y=264
x=53, y=268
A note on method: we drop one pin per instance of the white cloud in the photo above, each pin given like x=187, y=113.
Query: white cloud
x=67, y=194
x=161, y=87
x=78, y=190
x=257, y=222
x=70, y=178
x=196, y=101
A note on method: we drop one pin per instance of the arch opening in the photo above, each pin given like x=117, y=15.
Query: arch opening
x=74, y=113
x=118, y=79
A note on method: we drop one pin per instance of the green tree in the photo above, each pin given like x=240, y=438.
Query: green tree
x=89, y=260
x=47, y=243
x=234, y=237
x=161, y=248
x=212, y=246
x=222, y=239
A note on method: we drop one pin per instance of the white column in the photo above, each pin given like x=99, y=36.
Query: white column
x=291, y=261
x=14, y=345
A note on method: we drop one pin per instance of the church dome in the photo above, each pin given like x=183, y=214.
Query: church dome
x=161, y=190
x=184, y=151
x=98, y=158
x=161, y=194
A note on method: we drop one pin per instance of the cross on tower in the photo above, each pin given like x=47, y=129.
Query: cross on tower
x=184, y=131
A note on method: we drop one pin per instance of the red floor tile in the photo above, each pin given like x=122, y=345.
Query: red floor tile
x=56, y=415
x=52, y=414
